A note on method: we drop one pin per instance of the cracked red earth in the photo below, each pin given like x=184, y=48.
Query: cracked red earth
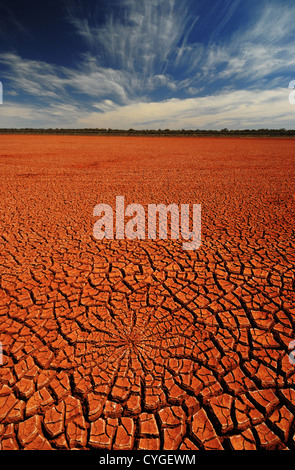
x=139, y=344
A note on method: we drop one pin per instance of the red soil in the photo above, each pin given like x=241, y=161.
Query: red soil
x=139, y=344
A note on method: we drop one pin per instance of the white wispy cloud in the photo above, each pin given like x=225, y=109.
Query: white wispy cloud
x=48, y=81
x=143, y=40
x=236, y=110
x=239, y=81
x=263, y=48
x=240, y=109
x=36, y=78
x=144, y=44
x=152, y=41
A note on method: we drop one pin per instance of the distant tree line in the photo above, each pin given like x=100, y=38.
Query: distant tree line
x=150, y=132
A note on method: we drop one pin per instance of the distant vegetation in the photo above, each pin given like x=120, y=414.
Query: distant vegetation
x=159, y=132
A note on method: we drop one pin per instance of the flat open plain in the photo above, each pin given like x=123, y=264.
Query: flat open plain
x=139, y=344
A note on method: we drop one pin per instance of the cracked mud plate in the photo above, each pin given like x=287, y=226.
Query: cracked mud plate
x=125, y=345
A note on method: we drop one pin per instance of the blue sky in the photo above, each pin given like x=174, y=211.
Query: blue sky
x=147, y=64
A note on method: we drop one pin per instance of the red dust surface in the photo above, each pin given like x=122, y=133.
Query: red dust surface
x=139, y=344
